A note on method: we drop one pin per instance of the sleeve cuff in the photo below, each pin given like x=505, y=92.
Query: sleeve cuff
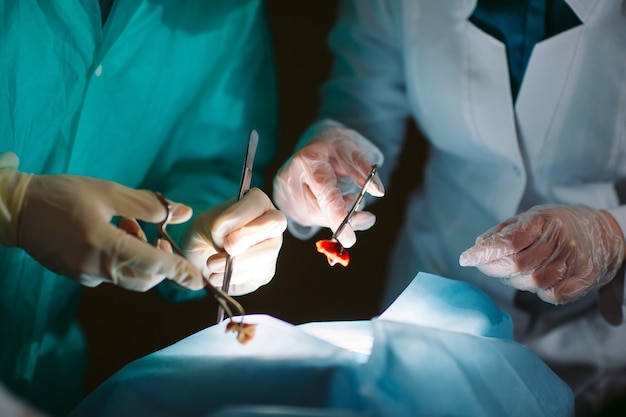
x=371, y=150
x=301, y=232
x=13, y=186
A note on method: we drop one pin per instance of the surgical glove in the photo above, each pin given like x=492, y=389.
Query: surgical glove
x=308, y=188
x=559, y=252
x=12, y=406
x=64, y=222
x=249, y=230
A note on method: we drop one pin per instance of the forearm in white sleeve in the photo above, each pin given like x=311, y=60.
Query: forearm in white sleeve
x=367, y=91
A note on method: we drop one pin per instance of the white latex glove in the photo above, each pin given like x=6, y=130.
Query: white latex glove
x=11, y=406
x=250, y=230
x=559, y=252
x=308, y=187
x=64, y=222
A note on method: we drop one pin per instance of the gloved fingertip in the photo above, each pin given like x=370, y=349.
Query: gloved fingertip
x=216, y=280
x=215, y=264
x=191, y=282
x=189, y=277
x=549, y=296
x=363, y=220
x=377, y=189
x=197, y=283
x=180, y=213
x=347, y=238
x=468, y=259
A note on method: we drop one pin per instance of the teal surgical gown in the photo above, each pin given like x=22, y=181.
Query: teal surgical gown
x=163, y=97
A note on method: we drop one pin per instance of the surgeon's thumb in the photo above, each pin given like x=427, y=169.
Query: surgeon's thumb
x=144, y=205
x=180, y=213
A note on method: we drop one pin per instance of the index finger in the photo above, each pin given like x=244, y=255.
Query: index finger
x=358, y=166
x=499, y=244
x=322, y=181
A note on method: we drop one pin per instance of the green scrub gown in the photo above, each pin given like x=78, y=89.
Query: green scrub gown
x=163, y=97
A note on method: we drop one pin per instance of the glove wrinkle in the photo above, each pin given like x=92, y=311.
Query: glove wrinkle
x=560, y=252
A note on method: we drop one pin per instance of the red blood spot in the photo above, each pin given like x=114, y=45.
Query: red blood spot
x=335, y=253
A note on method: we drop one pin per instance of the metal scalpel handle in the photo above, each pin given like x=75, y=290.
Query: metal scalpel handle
x=246, y=179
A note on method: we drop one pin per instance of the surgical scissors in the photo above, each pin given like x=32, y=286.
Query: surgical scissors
x=226, y=302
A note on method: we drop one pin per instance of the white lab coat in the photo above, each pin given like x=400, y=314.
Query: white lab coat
x=563, y=141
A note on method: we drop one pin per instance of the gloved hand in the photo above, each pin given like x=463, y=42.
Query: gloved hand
x=64, y=222
x=12, y=406
x=308, y=187
x=250, y=230
x=559, y=252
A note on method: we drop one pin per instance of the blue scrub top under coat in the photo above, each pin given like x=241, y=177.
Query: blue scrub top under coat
x=520, y=24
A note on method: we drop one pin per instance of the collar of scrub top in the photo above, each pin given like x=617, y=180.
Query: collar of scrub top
x=226, y=302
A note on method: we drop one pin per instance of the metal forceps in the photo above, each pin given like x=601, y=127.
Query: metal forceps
x=246, y=179
x=355, y=206
x=226, y=302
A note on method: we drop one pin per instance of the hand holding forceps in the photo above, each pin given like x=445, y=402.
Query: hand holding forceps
x=226, y=302
x=246, y=179
x=333, y=249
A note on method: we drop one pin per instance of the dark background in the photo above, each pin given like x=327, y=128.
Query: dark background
x=122, y=326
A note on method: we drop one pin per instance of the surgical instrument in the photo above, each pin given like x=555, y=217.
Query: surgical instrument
x=355, y=206
x=246, y=178
x=226, y=302
x=333, y=249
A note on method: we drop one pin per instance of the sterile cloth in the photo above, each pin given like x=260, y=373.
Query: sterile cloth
x=442, y=348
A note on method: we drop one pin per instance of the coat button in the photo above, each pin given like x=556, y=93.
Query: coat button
x=98, y=71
